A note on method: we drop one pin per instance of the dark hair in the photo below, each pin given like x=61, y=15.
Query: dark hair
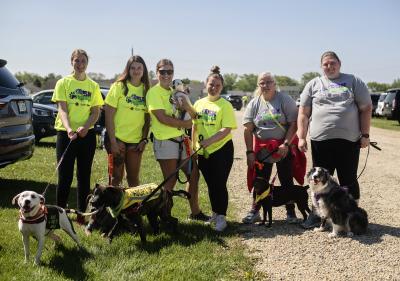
x=215, y=73
x=330, y=54
x=78, y=52
x=125, y=76
x=163, y=62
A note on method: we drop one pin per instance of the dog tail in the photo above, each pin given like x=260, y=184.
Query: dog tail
x=358, y=221
x=181, y=193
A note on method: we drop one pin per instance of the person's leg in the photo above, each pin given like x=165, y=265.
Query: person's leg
x=133, y=159
x=168, y=167
x=66, y=168
x=346, y=164
x=85, y=155
x=285, y=175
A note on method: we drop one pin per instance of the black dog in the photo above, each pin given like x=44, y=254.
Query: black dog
x=268, y=196
x=128, y=214
x=334, y=203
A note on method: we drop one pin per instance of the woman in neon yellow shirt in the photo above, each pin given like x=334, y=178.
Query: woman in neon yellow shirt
x=168, y=132
x=127, y=122
x=79, y=100
x=212, y=131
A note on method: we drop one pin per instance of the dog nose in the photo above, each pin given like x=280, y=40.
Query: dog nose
x=27, y=202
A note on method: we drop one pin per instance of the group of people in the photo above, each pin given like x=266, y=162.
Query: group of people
x=336, y=107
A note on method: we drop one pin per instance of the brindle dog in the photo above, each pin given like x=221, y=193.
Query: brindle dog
x=130, y=218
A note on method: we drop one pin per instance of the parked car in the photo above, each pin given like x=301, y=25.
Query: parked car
x=392, y=104
x=235, y=100
x=380, y=106
x=44, y=117
x=16, y=130
x=374, y=99
x=44, y=97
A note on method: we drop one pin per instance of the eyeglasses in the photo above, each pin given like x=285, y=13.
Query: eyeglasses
x=166, y=71
x=266, y=83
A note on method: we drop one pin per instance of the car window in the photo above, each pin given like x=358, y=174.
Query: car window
x=374, y=98
x=390, y=97
x=382, y=97
x=7, y=80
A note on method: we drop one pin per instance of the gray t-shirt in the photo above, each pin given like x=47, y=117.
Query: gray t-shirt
x=262, y=113
x=334, y=106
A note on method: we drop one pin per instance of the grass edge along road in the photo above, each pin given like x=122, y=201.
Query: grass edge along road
x=196, y=253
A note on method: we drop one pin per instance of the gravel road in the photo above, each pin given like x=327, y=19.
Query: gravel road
x=287, y=252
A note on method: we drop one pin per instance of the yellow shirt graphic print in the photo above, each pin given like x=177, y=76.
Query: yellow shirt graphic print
x=80, y=97
x=130, y=111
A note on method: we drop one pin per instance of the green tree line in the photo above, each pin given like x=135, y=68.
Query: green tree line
x=232, y=81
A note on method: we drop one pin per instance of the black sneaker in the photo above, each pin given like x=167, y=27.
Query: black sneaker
x=199, y=217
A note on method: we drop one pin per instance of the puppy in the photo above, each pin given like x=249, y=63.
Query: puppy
x=268, y=196
x=334, y=204
x=34, y=221
x=180, y=93
x=124, y=208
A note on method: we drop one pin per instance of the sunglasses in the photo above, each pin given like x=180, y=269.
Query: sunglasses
x=165, y=72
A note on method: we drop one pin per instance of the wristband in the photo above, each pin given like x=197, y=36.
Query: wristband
x=365, y=136
x=249, y=152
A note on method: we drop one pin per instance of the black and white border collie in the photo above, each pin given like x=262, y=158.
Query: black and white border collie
x=334, y=204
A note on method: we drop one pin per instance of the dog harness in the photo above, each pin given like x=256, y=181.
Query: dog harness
x=263, y=195
x=50, y=214
x=133, y=195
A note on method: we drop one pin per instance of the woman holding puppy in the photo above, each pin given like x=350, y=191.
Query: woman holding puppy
x=337, y=109
x=270, y=121
x=127, y=122
x=79, y=101
x=168, y=132
x=212, y=131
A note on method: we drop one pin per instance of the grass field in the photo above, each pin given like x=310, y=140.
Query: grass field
x=196, y=253
x=383, y=123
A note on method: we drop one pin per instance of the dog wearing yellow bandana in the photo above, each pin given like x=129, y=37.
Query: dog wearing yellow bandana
x=125, y=207
x=268, y=196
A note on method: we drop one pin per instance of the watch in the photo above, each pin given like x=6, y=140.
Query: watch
x=365, y=136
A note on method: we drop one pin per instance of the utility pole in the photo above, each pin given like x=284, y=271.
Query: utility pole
x=132, y=51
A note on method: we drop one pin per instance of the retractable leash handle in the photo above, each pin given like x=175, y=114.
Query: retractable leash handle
x=374, y=144
x=168, y=178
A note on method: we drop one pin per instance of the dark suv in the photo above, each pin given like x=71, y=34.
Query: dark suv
x=235, y=100
x=392, y=102
x=16, y=130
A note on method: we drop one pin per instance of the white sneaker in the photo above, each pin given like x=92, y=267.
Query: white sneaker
x=213, y=219
x=220, y=223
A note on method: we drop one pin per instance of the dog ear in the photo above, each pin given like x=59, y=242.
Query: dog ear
x=14, y=200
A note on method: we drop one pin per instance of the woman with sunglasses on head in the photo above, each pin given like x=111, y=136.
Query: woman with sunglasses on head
x=169, y=133
x=127, y=122
x=337, y=109
x=270, y=121
x=212, y=131
x=79, y=100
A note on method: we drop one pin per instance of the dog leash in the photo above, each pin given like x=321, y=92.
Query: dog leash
x=58, y=165
x=374, y=144
x=168, y=178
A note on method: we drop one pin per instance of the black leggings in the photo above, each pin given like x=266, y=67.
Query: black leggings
x=216, y=171
x=340, y=155
x=81, y=149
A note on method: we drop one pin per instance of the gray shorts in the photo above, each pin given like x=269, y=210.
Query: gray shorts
x=167, y=149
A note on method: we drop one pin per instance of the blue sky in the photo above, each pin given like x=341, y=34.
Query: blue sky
x=284, y=37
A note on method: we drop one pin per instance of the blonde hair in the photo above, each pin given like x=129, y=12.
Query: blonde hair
x=257, y=92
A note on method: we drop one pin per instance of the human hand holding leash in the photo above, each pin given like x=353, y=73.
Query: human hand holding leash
x=82, y=132
x=302, y=145
x=71, y=134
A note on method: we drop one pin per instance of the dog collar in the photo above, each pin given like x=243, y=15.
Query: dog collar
x=263, y=195
x=38, y=218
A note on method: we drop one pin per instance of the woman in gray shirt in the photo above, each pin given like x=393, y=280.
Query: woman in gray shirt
x=337, y=110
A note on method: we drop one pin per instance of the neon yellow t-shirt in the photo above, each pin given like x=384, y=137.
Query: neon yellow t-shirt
x=212, y=117
x=130, y=111
x=80, y=96
x=158, y=98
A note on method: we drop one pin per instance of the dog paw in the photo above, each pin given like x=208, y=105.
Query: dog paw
x=319, y=229
x=332, y=235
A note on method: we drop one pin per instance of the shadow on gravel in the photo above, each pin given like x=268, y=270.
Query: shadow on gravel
x=376, y=232
x=279, y=227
